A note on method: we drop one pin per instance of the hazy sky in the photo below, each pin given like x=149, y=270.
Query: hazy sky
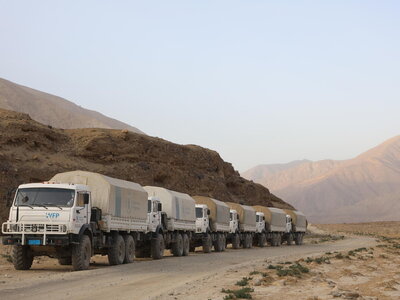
x=258, y=81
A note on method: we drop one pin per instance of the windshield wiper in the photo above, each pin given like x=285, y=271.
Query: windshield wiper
x=41, y=205
x=26, y=205
x=51, y=204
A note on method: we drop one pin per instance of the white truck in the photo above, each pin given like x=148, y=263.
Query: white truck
x=175, y=224
x=212, y=224
x=299, y=225
x=278, y=225
x=74, y=216
x=243, y=225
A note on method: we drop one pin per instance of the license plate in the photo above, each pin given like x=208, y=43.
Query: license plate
x=33, y=242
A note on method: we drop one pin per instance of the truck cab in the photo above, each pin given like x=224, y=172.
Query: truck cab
x=47, y=214
x=202, y=220
x=260, y=222
x=234, y=221
x=154, y=218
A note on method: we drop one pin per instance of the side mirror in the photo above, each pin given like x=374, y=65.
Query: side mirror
x=85, y=199
x=159, y=206
x=208, y=212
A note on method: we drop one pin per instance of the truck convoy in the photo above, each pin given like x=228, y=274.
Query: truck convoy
x=79, y=214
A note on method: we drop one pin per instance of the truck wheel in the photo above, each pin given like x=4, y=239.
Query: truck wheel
x=289, y=239
x=186, y=245
x=299, y=239
x=278, y=239
x=236, y=241
x=129, y=249
x=223, y=242
x=207, y=243
x=116, y=253
x=65, y=261
x=177, y=247
x=274, y=242
x=218, y=243
x=250, y=242
x=81, y=254
x=261, y=241
x=22, y=257
x=157, y=247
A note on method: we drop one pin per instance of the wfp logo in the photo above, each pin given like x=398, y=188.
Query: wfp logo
x=52, y=215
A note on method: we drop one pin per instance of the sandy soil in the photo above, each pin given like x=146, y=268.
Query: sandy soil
x=367, y=272
x=199, y=276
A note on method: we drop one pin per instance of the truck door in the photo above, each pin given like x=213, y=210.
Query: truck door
x=82, y=210
x=205, y=218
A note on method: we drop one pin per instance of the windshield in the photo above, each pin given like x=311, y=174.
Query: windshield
x=45, y=197
x=199, y=212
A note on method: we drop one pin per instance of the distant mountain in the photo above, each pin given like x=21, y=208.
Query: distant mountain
x=52, y=110
x=366, y=188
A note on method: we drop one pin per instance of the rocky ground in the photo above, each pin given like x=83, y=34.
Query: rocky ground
x=361, y=273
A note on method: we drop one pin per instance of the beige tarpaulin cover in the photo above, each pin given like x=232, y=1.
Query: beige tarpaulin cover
x=274, y=217
x=247, y=215
x=115, y=197
x=299, y=220
x=219, y=211
x=176, y=205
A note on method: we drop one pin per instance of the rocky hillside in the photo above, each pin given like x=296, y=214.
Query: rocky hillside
x=32, y=152
x=52, y=110
x=365, y=188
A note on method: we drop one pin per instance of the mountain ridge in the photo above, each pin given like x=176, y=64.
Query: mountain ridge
x=53, y=110
x=364, y=188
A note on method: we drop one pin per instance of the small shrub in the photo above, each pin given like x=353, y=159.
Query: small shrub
x=243, y=293
x=244, y=281
x=254, y=273
x=339, y=256
x=322, y=259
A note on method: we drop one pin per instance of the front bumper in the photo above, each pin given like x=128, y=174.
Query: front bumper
x=39, y=240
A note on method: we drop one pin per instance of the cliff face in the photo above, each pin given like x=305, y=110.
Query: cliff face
x=32, y=152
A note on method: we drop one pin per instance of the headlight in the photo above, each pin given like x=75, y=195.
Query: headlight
x=64, y=228
x=15, y=227
x=34, y=228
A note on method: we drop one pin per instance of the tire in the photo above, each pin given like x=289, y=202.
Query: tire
x=116, y=253
x=223, y=242
x=298, y=239
x=129, y=249
x=250, y=240
x=246, y=241
x=218, y=243
x=261, y=240
x=22, y=257
x=157, y=247
x=177, y=247
x=65, y=261
x=81, y=254
x=186, y=245
x=207, y=243
x=236, y=241
x=289, y=239
x=278, y=239
x=274, y=242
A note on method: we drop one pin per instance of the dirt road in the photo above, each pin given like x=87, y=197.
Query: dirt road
x=170, y=278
